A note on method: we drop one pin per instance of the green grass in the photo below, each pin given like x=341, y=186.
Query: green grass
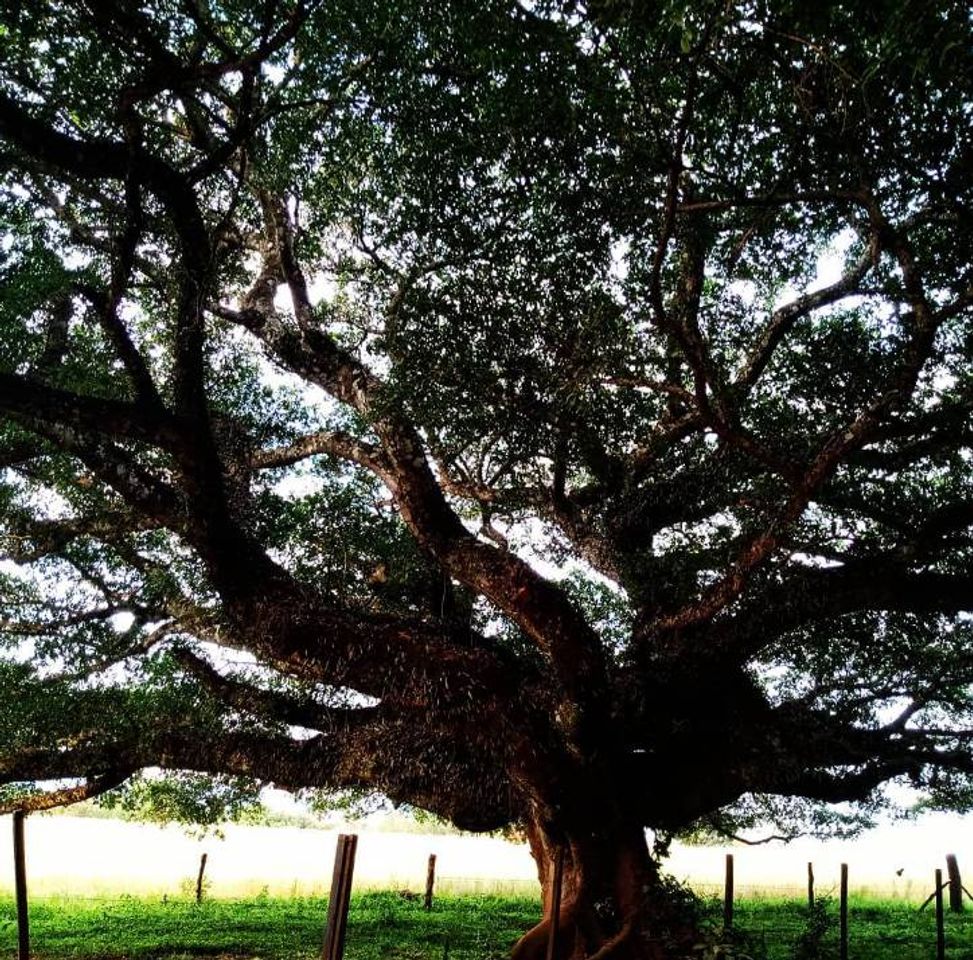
x=381, y=925
x=384, y=926
x=772, y=929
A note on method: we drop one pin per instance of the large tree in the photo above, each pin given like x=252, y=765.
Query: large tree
x=535, y=412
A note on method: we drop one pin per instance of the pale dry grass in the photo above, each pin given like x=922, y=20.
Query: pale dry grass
x=92, y=858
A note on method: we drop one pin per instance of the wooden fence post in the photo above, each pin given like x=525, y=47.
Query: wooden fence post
x=955, y=884
x=20, y=886
x=430, y=880
x=199, y=879
x=556, y=883
x=810, y=886
x=338, y=901
x=940, y=919
x=728, y=894
x=843, y=913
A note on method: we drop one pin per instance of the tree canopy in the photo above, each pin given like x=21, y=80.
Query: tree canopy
x=540, y=412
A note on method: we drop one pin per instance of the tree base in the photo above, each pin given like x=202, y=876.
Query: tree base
x=613, y=906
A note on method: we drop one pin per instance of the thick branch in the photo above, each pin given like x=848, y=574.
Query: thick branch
x=50, y=799
x=819, y=594
x=27, y=541
x=273, y=705
x=464, y=782
x=333, y=442
x=30, y=400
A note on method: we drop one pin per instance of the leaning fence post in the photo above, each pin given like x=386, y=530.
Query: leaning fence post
x=20, y=886
x=430, y=880
x=556, y=883
x=940, y=919
x=810, y=885
x=843, y=913
x=338, y=901
x=199, y=879
x=955, y=884
x=728, y=894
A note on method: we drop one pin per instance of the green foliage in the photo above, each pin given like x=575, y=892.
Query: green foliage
x=757, y=816
x=192, y=800
x=350, y=804
x=810, y=945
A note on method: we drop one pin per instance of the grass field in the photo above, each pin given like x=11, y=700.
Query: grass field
x=384, y=926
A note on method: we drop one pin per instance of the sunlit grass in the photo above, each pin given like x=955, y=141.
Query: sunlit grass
x=381, y=925
x=878, y=929
x=388, y=925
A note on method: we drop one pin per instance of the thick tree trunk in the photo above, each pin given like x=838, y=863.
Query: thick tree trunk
x=614, y=905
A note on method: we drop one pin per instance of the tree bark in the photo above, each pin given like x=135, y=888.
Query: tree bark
x=614, y=904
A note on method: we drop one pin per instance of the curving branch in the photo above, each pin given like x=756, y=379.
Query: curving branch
x=335, y=443
x=30, y=401
x=538, y=606
x=784, y=318
x=29, y=540
x=103, y=159
x=275, y=705
x=35, y=802
x=464, y=781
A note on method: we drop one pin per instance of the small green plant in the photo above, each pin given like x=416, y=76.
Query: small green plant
x=722, y=944
x=187, y=887
x=810, y=944
x=386, y=915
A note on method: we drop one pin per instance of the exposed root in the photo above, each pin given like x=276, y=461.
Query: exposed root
x=533, y=944
x=612, y=946
x=613, y=905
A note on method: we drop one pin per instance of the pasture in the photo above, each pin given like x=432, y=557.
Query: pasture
x=386, y=926
x=110, y=890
